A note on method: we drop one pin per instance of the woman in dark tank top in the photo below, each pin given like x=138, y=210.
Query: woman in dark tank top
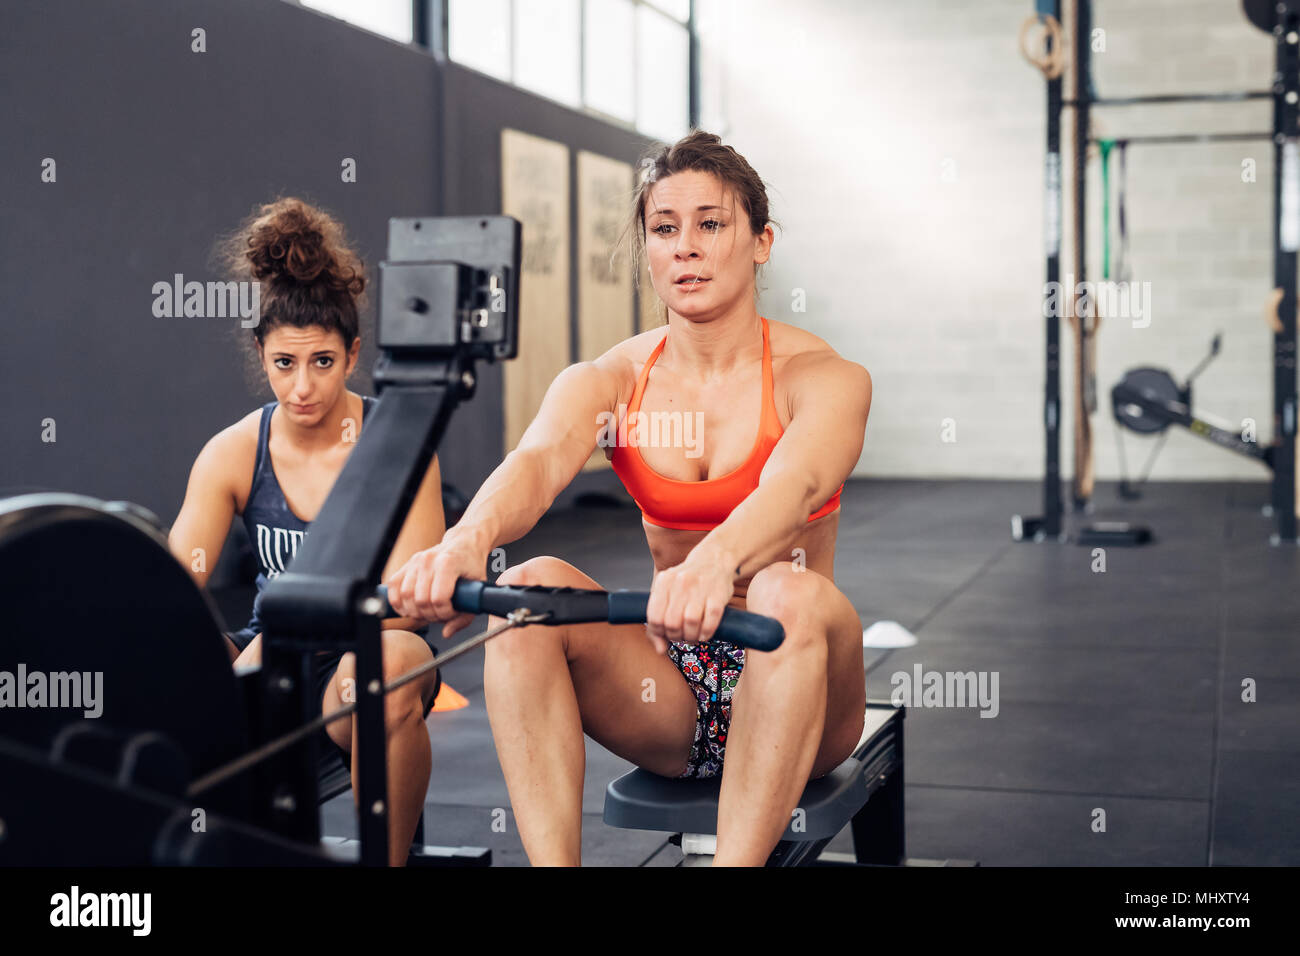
x=273, y=529
x=274, y=469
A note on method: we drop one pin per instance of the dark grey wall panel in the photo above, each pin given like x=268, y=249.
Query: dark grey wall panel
x=159, y=150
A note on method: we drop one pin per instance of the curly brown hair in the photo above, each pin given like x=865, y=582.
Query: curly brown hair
x=308, y=273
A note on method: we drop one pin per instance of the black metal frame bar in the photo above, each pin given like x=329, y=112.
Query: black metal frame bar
x=1050, y=521
x=429, y=25
x=318, y=604
x=1286, y=231
x=1084, y=94
x=1186, y=138
x=1158, y=98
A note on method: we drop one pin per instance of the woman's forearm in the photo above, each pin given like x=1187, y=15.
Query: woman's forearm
x=760, y=530
x=510, y=502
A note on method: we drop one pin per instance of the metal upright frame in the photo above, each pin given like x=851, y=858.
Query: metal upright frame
x=1084, y=95
x=1286, y=240
x=1285, y=94
x=1048, y=525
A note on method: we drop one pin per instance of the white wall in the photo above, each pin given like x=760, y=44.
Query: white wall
x=852, y=111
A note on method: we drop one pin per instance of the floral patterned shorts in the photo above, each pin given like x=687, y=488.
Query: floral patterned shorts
x=700, y=665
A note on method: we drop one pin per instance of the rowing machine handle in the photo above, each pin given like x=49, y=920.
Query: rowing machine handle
x=577, y=606
x=744, y=628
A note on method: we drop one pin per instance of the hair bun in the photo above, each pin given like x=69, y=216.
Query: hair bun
x=290, y=241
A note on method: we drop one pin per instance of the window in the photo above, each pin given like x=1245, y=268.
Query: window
x=479, y=35
x=390, y=18
x=679, y=10
x=627, y=60
x=547, y=61
x=663, y=66
x=609, y=38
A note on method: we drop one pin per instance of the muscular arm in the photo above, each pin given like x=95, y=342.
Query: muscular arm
x=425, y=525
x=830, y=400
x=200, y=530
x=551, y=452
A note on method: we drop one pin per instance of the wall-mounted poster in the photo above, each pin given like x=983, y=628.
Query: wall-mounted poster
x=535, y=190
x=605, y=301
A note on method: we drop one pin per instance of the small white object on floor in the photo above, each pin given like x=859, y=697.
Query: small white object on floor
x=887, y=634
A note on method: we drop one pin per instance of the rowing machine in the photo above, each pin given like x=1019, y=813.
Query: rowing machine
x=122, y=719
x=1148, y=400
x=98, y=594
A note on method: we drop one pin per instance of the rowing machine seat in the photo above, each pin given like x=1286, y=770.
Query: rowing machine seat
x=865, y=791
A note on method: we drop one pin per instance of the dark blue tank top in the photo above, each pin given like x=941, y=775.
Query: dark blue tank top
x=273, y=529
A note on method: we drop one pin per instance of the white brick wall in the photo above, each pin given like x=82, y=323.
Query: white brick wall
x=853, y=109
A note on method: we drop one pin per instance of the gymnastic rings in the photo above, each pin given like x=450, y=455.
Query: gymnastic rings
x=1051, y=62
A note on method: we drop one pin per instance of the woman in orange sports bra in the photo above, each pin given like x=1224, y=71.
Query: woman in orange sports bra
x=701, y=505
x=734, y=434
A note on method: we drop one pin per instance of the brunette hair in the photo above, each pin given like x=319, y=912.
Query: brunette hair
x=704, y=152
x=308, y=272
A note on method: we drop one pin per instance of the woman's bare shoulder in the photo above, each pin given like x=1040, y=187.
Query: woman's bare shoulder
x=231, y=453
x=623, y=362
x=808, y=361
x=789, y=341
x=636, y=348
x=242, y=435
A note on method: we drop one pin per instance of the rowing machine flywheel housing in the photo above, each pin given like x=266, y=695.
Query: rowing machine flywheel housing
x=110, y=636
x=1153, y=383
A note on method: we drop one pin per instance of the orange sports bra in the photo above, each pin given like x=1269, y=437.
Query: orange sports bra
x=700, y=505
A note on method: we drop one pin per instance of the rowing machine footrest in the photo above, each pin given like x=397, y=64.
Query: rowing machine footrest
x=344, y=850
x=1119, y=534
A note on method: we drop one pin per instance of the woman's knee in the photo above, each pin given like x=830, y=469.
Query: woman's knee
x=522, y=642
x=543, y=570
x=799, y=599
x=251, y=656
x=404, y=651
